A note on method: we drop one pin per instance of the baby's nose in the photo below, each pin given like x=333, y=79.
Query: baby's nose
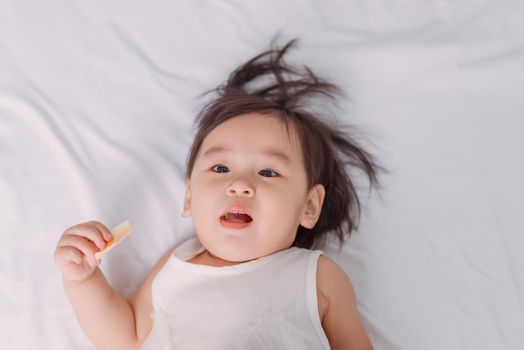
x=240, y=188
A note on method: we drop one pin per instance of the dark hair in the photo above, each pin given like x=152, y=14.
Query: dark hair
x=328, y=152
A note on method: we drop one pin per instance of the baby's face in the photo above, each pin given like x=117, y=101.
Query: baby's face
x=248, y=191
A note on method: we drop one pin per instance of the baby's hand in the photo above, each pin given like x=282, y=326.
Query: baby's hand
x=76, y=248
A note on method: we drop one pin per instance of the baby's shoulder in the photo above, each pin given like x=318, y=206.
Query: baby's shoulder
x=332, y=283
x=328, y=272
x=340, y=320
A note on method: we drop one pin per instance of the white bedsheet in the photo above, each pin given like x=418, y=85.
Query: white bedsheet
x=97, y=100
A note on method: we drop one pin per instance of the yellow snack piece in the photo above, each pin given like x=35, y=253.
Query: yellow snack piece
x=120, y=232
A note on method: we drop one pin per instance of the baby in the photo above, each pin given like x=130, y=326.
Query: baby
x=267, y=183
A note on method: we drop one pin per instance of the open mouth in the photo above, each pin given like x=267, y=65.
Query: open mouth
x=234, y=219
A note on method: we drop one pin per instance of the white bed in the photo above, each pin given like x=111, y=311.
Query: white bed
x=97, y=100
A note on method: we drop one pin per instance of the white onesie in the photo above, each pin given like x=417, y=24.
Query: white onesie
x=267, y=303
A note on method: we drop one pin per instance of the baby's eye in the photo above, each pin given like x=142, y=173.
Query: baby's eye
x=220, y=168
x=267, y=173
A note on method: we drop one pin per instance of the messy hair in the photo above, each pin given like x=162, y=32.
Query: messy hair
x=329, y=153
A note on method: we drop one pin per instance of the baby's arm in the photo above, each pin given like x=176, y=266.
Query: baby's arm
x=107, y=319
x=341, y=322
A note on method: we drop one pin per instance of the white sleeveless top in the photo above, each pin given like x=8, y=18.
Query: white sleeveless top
x=266, y=303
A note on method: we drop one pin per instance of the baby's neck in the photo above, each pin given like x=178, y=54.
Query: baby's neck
x=208, y=259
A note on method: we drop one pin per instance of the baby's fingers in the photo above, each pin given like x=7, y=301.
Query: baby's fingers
x=86, y=247
x=92, y=232
x=68, y=254
x=106, y=233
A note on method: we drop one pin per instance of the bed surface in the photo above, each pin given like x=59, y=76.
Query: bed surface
x=97, y=101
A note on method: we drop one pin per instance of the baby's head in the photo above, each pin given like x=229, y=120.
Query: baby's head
x=264, y=173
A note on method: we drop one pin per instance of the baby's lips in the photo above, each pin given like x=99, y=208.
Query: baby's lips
x=238, y=208
x=237, y=216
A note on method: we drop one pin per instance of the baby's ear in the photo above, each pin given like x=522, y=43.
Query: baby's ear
x=315, y=199
x=186, y=210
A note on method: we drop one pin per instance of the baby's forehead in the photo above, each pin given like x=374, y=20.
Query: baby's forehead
x=253, y=131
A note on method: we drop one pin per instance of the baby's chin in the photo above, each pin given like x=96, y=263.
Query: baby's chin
x=238, y=249
x=231, y=250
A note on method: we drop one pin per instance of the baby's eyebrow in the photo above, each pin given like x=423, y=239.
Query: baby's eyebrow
x=269, y=151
